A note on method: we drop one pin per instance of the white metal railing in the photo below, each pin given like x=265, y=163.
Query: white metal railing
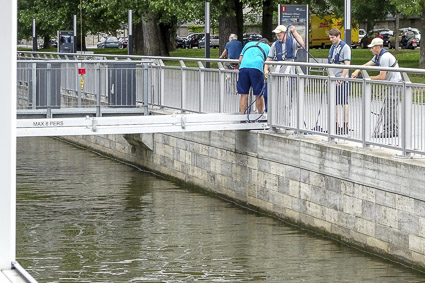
x=306, y=103
x=377, y=113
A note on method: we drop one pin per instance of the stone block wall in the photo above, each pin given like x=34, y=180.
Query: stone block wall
x=367, y=198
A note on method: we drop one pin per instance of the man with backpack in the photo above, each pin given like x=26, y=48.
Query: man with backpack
x=284, y=48
x=251, y=63
x=340, y=53
x=389, y=110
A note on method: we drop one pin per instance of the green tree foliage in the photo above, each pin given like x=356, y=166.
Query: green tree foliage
x=414, y=8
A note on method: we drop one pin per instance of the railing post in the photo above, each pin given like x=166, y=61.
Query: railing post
x=183, y=89
x=201, y=86
x=366, y=112
x=162, y=82
x=221, y=80
x=331, y=105
x=300, y=98
x=34, y=85
x=49, y=90
x=145, y=88
x=77, y=84
x=8, y=136
x=98, y=93
x=272, y=101
x=406, y=117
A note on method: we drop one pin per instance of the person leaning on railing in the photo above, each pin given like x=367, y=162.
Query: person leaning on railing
x=389, y=109
x=251, y=61
x=232, y=50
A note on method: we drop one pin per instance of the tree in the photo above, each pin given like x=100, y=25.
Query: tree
x=414, y=8
x=54, y=15
x=230, y=21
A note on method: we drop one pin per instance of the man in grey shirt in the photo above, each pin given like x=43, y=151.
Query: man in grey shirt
x=340, y=53
x=389, y=110
x=284, y=48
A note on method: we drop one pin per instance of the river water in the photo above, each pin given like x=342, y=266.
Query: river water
x=85, y=218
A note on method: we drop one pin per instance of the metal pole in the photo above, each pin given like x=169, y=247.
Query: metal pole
x=130, y=33
x=78, y=87
x=34, y=36
x=347, y=22
x=75, y=35
x=145, y=89
x=207, y=32
x=8, y=30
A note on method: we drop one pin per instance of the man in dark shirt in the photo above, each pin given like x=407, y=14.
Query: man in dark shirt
x=233, y=48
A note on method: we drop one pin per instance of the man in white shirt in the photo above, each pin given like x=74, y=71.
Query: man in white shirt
x=389, y=109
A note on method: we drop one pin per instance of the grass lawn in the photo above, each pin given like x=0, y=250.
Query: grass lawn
x=406, y=58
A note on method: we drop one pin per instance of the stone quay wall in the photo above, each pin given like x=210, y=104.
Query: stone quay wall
x=366, y=198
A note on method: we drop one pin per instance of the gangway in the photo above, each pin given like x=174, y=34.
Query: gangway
x=138, y=124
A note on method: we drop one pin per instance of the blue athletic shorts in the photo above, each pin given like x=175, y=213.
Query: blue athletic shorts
x=249, y=77
x=342, y=93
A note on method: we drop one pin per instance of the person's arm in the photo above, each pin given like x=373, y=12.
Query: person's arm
x=266, y=67
x=380, y=76
x=356, y=72
x=240, y=59
x=345, y=71
x=297, y=36
x=224, y=54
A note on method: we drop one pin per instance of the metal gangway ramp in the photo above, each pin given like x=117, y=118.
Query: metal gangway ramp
x=68, y=94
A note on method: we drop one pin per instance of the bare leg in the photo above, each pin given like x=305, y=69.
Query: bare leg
x=260, y=105
x=243, y=103
x=346, y=114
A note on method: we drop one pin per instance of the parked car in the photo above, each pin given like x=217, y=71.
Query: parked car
x=247, y=37
x=122, y=42
x=385, y=34
x=192, y=40
x=362, y=33
x=214, y=42
x=407, y=39
x=180, y=42
x=108, y=42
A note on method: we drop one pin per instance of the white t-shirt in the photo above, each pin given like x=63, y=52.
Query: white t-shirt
x=387, y=60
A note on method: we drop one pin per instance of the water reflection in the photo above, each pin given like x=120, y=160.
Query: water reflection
x=85, y=218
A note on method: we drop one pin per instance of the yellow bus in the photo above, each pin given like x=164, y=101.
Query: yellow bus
x=319, y=28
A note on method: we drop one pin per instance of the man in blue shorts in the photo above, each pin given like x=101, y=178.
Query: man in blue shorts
x=251, y=62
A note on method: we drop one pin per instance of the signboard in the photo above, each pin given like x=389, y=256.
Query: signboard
x=296, y=15
x=66, y=41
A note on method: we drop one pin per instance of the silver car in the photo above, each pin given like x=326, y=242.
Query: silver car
x=108, y=42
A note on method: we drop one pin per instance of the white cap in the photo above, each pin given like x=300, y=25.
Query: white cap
x=279, y=29
x=375, y=42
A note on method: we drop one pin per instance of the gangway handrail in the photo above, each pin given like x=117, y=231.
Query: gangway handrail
x=284, y=63
x=23, y=272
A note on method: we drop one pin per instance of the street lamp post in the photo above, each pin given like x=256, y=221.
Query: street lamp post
x=347, y=22
x=207, y=32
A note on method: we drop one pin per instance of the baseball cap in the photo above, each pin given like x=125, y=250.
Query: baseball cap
x=375, y=42
x=279, y=29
